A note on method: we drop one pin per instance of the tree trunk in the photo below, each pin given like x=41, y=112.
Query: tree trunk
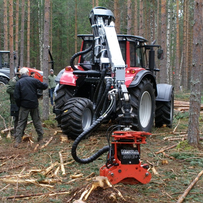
x=51, y=26
x=190, y=37
x=129, y=16
x=168, y=45
x=16, y=33
x=195, y=96
x=177, y=68
x=146, y=20
x=28, y=33
x=185, y=65
x=5, y=26
x=163, y=72
x=97, y=2
x=40, y=25
x=187, y=46
x=141, y=19
x=116, y=14
x=11, y=38
x=135, y=19
x=76, y=30
x=45, y=115
x=158, y=33
x=22, y=33
x=152, y=21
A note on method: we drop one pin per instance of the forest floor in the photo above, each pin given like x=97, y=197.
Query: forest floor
x=49, y=173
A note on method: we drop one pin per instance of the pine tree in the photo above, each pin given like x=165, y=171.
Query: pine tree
x=45, y=115
x=195, y=96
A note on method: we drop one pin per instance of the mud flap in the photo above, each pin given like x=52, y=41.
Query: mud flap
x=164, y=92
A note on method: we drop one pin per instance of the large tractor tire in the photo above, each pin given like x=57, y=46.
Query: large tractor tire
x=164, y=112
x=143, y=104
x=64, y=93
x=76, y=117
x=3, y=81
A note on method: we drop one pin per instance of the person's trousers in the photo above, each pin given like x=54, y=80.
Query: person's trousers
x=51, y=93
x=22, y=122
x=15, y=121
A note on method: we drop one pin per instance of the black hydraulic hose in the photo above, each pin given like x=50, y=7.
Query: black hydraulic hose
x=90, y=129
x=108, y=86
x=99, y=87
x=78, y=54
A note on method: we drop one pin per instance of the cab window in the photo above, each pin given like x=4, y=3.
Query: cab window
x=136, y=55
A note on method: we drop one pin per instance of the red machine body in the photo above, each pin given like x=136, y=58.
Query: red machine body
x=124, y=163
x=38, y=73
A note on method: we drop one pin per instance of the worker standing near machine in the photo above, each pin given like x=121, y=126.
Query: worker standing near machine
x=52, y=85
x=14, y=109
x=25, y=95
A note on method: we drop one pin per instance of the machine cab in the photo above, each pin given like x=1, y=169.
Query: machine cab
x=132, y=49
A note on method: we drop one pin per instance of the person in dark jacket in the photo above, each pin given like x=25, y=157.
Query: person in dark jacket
x=14, y=109
x=25, y=95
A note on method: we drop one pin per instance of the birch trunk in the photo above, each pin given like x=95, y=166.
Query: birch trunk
x=177, y=68
x=40, y=23
x=184, y=69
x=45, y=115
x=168, y=61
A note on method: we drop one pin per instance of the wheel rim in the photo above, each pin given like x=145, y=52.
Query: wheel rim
x=171, y=111
x=86, y=118
x=145, y=109
x=2, y=84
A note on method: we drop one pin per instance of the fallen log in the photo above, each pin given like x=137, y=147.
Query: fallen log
x=176, y=126
x=30, y=181
x=11, y=128
x=170, y=147
x=14, y=167
x=47, y=170
x=182, y=197
x=47, y=143
x=180, y=137
x=174, y=137
x=62, y=164
x=36, y=147
x=8, y=157
x=37, y=195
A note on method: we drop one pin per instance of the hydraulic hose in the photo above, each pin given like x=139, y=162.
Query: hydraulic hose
x=108, y=86
x=78, y=54
x=90, y=129
x=98, y=92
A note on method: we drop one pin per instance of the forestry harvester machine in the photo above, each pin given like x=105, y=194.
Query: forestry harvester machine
x=114, y=80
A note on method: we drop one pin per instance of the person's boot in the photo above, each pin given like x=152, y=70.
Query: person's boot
x=40, y=139
x=17, y=142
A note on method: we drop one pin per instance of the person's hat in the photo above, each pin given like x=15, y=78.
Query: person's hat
x=51, y=70
x=23, y=71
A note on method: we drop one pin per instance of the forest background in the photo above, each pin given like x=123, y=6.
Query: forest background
x=169, y=22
